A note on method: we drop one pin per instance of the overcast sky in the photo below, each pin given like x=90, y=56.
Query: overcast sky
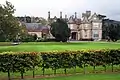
x=110, y=8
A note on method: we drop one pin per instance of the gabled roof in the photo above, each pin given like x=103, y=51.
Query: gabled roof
x=73, y=20
x=94, y=18
x=35, y=27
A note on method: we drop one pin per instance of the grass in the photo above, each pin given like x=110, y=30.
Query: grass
x=86, y=77
x=89, y=70
x=53, y=46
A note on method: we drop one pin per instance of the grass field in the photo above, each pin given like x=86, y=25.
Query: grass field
x=86, y=77
x=53, y=46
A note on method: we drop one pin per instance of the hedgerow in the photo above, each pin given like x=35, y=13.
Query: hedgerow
x=24, y=61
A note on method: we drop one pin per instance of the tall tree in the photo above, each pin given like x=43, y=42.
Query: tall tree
x=111, y=30
x=9, y=26
x=60, y=30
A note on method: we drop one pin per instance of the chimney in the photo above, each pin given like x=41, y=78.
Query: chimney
x=65, y=16
x=88, y=13
x=25, y=19
x=75, y=15
x=49, y=15
x=61, y=15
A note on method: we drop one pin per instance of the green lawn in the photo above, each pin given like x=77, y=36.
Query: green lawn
x=86, y=77
x=53, y=46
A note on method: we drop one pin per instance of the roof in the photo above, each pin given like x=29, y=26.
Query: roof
x=74, y=20
x=35, y=27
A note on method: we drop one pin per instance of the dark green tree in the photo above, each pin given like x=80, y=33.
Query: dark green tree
x=60, y=30
x=111, y=30
x=9, y=26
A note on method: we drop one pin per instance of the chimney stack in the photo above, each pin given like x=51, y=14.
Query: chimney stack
x=25, y=19
x=49, y=15
x=61, y=15
x=75, y=15
x=65, y=16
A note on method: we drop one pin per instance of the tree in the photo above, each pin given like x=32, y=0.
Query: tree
x=111, y=30
x=42, y=21
x=60, y=30
x=9, y=26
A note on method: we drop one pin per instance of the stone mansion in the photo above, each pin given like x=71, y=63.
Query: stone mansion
x=89, y=27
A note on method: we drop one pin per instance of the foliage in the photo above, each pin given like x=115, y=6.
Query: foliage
x=111, y=30
x=29, y=38
x=60, y=30
x=9, y=26
x=24, y=61
x=18, y=62
x=42, y=21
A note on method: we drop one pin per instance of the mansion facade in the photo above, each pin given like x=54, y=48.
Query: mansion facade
x=89, y=27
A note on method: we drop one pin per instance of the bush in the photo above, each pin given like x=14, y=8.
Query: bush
x=28, y=38
x=21, y=62
x=18, y=62
x=46, y=40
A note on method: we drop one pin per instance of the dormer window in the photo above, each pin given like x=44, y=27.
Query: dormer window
x=95, y=18
x=55, y=20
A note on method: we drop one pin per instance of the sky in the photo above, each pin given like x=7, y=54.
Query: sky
x=40, y=8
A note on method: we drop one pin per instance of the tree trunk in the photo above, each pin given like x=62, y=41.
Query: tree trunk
x=75, y=69
x=33, y=71
x=105, y=68
x=55, y=71
x=65, y=70
x=84, y=69
x=94, y=69
x=22, y=74
x=43, y=71
x=9, y=75
x=112, y=67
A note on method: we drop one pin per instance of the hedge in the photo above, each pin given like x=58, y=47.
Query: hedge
x=24, y=61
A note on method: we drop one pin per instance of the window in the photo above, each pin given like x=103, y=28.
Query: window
x=94, y=18
x=85, y=33
x=71, y=26
x=96, y=35
x=86, y=25
x=95, y=25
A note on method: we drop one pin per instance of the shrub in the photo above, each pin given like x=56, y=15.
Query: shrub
x=24, y=61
